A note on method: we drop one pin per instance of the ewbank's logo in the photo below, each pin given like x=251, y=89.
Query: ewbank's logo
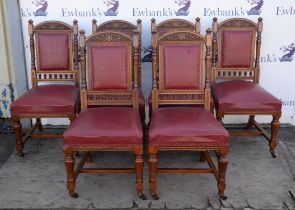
x=42, y=11
x=113, y=10
x=257, y=6
x=288, y=53
x=237, y=11
x=147, y=57
x=184, y=10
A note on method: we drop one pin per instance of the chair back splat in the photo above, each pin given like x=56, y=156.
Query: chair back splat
x=53, y=59
x=232, y=62
x=181, y=50
x=128, y=29
x=109, y=83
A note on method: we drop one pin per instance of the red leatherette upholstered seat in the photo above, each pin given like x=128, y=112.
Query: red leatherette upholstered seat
x=105, y=126
x=186, y=126
x=47, y=99
x=244, y=95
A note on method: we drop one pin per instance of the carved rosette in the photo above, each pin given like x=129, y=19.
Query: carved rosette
x=181, y=36
x=52, y=26
x=238, y=23
x=107, y=37
x=176, y=24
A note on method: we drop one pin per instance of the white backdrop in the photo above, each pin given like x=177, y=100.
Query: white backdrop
x=278, y=37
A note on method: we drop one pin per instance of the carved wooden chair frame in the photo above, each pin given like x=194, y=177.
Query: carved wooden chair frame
x=90, y=97
x=49, y=76
x=124, y=27
x=200, y=96
x=252, y=74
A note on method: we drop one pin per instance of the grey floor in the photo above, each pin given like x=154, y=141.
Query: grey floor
x=255, y=180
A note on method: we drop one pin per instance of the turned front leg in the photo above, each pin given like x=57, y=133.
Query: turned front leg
x=17, y=127
x=153, y=171
x=222, y=167
x=71, y=180
x=138, y=151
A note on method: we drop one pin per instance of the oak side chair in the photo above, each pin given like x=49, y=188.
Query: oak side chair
x=235, y=77
x=55, y=79
x=184, y=128
x=107, y=126
x=127, y=28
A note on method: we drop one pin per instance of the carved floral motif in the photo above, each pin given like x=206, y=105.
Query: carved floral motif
x=108, y=37
x=182, y=36
x=238, y=23
x=52, y=26
x=176, y=24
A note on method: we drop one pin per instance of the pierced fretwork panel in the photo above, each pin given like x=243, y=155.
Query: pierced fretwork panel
x=55, y=76
x=191, y=97
x=235, y=74
x=108, y=98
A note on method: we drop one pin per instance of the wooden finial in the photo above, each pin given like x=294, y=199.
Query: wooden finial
x=139, y=25
x=94, y=26
x=153, y=24
x=82, y=38
x=75, y=27
x=30, y=27
x=198, y=25
x=215, y=24
x=260, y=24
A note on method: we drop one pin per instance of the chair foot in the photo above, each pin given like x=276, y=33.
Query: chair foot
x=142, y=196
x=222, y=197
x=273, y=154
x=155, y=197
x=21, y=154
x=73, y=194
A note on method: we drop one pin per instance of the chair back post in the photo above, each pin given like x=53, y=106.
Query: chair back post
x=198, y=25
x=83, y=68
x=76, y=63
x=139, y=29
x=135, y=67
x=208, y=68
x=258, y=47
x=154, y=68
x=32, y=48
x=153, y=24
x=94, y=26
x=214, y=49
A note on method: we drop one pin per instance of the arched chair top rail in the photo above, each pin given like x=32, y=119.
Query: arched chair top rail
x=182, y=36
x=176, y=23
x=115, y=24
x=237, y=23
x=53, y=25
x=108, y=36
